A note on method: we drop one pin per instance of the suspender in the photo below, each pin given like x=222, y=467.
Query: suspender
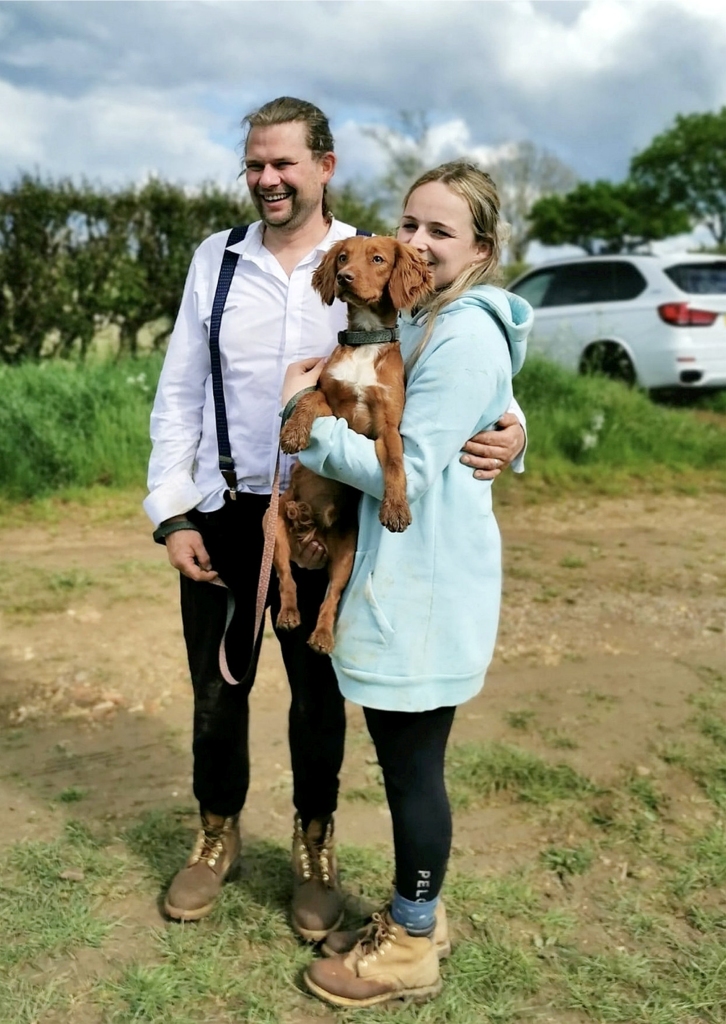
x=226, y=273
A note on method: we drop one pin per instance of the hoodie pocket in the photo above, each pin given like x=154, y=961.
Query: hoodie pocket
x=380, y=619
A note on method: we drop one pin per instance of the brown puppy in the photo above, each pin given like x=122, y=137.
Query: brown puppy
x=363, y=382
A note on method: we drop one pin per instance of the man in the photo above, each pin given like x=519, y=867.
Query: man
x=272, y=317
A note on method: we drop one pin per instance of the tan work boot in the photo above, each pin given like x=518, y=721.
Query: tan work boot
x=215, y=857
x=317, y=902
x=390, y=964
x=340, y=943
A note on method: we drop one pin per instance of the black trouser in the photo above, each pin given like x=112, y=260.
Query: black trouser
x=411, y=747
x=234, y=539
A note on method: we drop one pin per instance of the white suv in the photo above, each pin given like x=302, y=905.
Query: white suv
x=656, y=321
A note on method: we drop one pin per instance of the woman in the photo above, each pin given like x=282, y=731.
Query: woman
x=418, y=621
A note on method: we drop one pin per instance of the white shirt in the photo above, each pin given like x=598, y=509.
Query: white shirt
x=269, y=321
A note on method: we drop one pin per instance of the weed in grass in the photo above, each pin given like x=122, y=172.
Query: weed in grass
x=558, y=740
x=72, y=794
x=572, y=562
x=705, y=867
x=706, y=766
x=520, y=719
x=163, y=841
x=43, y=912
x=373, y=792
x=643, y=789
x=563, y=861
x=706, y=920
x=475, y=771
x=485, y=900
x=714, y=728
x=24, y=1001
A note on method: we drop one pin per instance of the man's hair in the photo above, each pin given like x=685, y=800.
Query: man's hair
x=286, y=109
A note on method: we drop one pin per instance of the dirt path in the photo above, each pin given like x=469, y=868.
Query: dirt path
x=611, y=610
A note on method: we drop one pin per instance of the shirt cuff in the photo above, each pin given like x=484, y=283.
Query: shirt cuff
x=174, y=497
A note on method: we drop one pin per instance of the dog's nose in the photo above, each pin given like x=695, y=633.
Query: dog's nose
x=344, y=276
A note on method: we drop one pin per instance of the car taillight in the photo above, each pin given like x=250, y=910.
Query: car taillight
x=680, y=314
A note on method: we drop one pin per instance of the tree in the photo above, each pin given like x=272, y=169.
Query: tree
x=50, y=267
x=523, y=177
x=604, y=217
x=685, y=167
x=153, y=231
x=407, y=151
x=350, y=207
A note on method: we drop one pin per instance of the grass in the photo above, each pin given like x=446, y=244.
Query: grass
x=627, y=923
x=65, y=427
x=476, y=771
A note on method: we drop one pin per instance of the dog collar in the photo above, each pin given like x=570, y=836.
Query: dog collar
x=386, y=334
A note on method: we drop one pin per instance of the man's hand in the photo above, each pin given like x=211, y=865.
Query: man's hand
x=188, y=554
x=491, y=451
x=301, y=375
x=312, y=555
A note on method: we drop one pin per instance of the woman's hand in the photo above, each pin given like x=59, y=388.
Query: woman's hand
x=301, y=375
x=491, y=451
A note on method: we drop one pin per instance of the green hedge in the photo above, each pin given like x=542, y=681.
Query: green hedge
x=64, y=425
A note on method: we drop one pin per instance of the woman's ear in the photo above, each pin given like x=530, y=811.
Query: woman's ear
x=324, y=275
x=484, y=252
x=410, y=278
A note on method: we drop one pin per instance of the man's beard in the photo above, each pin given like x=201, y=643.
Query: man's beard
x=299, y=211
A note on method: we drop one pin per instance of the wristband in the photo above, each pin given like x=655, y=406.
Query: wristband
x=162, y=532
x=290, y=407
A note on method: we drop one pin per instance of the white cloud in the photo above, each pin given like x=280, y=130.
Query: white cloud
x=117, y=89
x=108, y=136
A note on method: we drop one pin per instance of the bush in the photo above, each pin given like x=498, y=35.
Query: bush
x=64, y=425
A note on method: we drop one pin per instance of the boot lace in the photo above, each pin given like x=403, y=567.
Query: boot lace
x=315, y=857
x=209, y=846
x=377, y=941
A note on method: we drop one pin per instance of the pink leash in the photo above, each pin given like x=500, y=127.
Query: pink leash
x=263, y=584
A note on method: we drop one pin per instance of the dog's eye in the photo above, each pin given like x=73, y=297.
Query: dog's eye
x=378, y=259
x=342, y=258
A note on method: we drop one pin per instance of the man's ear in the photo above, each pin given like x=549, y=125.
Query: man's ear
x=328, y=162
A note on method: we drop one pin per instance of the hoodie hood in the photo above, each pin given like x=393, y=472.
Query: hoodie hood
x=513, y=314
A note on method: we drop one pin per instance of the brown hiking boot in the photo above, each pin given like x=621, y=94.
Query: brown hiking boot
x=340, y=943
x=215, y=857
x=317, y=902
x=390, y=964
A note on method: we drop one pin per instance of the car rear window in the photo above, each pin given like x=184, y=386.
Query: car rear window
x=699, y=278
x=574, y=284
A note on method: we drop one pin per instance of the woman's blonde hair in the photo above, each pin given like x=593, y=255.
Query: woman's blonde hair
x=479, y=192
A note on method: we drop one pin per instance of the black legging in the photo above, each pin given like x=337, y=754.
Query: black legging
x=233, y=537
x=411, y=747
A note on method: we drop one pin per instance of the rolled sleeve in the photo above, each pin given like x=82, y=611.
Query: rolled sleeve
x=177, y=414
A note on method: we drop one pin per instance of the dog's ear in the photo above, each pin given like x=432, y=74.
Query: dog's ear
x=324, y=275
x=410, y=279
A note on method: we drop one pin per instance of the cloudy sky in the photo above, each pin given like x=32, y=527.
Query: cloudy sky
x=117, y=90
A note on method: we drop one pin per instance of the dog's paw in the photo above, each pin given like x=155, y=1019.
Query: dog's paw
x=293, y=438
x=395, y=515
x=322, y=641
x=288, y=618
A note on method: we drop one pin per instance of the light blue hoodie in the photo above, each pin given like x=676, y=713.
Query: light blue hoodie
x=418, y=620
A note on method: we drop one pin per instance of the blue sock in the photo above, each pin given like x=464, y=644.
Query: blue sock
x=418, y=919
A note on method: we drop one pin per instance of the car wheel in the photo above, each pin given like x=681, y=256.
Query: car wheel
x=610, y=360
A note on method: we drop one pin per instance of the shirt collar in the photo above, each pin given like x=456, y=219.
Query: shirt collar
x=251, y=245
